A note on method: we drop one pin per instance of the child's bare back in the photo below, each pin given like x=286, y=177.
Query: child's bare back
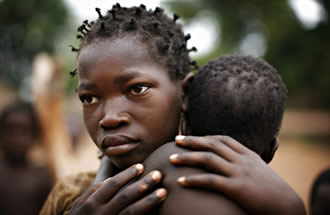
x=181, y=200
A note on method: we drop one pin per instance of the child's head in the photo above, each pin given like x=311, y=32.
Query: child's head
x=19, y=128
x=320, y=194
x=132, y=67
x=239, y=96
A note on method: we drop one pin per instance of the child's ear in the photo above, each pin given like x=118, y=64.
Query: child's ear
x=268, y=155
x=186, y=84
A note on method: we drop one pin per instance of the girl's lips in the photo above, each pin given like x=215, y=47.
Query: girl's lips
x=115, y=145
x=120, y=149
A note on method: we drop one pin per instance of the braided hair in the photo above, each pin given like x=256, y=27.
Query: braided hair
x=163, y=35
x=239, y=96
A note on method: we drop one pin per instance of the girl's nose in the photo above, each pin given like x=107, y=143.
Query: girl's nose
x=114, y=117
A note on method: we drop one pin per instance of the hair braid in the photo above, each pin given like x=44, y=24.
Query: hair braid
x=168, y=44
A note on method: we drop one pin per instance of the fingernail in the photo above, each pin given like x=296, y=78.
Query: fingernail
x=182, y=180
x=174, y=157
x=139, y=167
x=143, y=187
x=179, y=137
x=161, y=193
x=156, y=175
x=106, y=180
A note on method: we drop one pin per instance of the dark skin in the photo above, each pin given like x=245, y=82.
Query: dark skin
x=232, y=169
x=126, y=97
x=227, y=167
x=120, y=96
x=20, y=182
x=120, y=114
x=187, y=201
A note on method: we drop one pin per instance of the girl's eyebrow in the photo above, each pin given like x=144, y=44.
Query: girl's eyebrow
x=126, y=77
x=118, y=80
x=85, y=86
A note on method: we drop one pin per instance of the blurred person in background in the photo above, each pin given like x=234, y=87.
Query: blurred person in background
x=320, y=194
x=23, y=186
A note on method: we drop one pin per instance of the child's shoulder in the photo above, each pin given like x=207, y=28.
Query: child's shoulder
x=181, y=200
x=159, y=159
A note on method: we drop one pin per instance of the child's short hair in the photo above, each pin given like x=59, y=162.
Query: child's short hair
x=162, y=35
x=239, y=96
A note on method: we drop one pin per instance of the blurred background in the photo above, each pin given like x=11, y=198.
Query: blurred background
x=292, y=35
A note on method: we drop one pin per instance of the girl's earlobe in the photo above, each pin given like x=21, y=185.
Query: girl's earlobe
x=185, y=130
x=187, y=81
x=186, y=84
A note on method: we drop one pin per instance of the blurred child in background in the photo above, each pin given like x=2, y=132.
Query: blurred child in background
x=23, y=186
x=320, y=194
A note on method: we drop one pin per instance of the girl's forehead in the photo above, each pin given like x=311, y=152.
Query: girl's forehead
x=129, y=46
x=126, y=51
x=121, y=54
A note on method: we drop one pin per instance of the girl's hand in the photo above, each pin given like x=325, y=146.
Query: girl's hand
x=108, y=197
x=237, y=172
x=104, y=171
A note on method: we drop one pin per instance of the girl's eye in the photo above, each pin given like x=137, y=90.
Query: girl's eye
x=138, y=89
x=88, y=99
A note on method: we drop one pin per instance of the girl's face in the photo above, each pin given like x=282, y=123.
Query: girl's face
x=130, y=104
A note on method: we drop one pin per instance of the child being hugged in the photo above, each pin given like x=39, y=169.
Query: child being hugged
x=239, y=97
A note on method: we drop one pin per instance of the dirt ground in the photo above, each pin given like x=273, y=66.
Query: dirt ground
x=299, y=163
x=304, y=149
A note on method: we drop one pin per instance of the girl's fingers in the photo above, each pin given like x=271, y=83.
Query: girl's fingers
x=206, y=160
x=207, y=143
x=133, y=192
x=82, y=199
x=147, y=203
x=208, y=181
x=112, y=185
x=231, y=143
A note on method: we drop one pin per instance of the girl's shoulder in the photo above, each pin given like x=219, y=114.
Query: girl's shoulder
x=65, y=191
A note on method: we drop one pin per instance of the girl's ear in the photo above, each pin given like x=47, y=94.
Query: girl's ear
x=186, y=84
x=185, y=130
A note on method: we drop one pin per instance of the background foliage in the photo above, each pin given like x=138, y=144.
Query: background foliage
x=301, y=55
x=28, y=27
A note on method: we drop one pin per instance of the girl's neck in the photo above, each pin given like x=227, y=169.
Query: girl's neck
x=113, y=170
